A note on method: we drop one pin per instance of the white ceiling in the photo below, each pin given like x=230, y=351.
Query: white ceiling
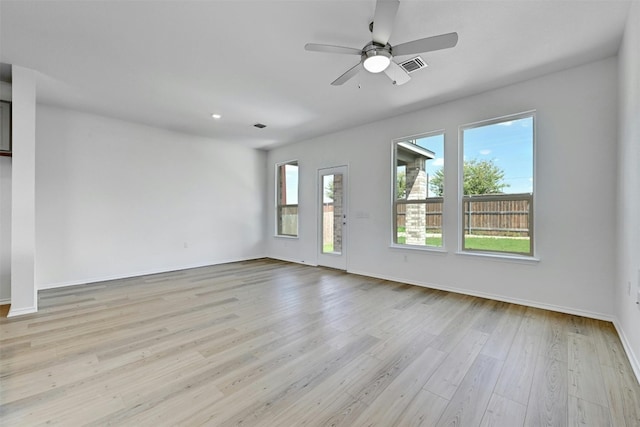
x=171, y=64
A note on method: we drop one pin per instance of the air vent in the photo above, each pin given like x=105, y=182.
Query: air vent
x=413, y=64
x=260, y=126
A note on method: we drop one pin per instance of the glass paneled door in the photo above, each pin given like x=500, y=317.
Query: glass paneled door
x=332, y=214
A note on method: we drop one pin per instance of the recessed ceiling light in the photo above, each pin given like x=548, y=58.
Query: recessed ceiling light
x=216, y=116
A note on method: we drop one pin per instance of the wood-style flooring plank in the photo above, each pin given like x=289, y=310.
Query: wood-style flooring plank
x=584, y=413
x=271, y=343
x=519, y=367
x=446, y=380
x=501, y=338
x=585, y=373
x=324, y=399
x=424, y=410
x=389, y=405
x=548, y=404
x=469, y=403
x=502, y=412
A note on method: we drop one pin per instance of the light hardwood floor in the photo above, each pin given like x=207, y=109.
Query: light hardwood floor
x=276, y=344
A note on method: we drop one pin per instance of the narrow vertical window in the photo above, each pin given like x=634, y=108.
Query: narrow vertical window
x=287, y=199
x=418, y=190
x=497, y=185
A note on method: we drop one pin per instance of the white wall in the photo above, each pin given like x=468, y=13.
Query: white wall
x=627, y=284
x=117, y=199
x=575, y=194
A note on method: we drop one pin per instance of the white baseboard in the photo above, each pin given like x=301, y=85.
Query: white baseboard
x=5, y=301
x=535, y=304
x=633, y=360
x=139, y=273
x=21, y=311
x=294, y=261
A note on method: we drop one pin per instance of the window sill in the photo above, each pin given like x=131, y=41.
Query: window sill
x=526, y=259
x=435, y=249
x=282, y=236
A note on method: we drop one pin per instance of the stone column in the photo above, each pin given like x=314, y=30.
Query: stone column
x=415, y=217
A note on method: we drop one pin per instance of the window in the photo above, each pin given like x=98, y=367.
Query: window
x=287, y=199
x=497, y=185
x=418, y=190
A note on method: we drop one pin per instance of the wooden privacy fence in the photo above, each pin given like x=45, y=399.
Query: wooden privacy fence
x=288, y=220
x=498, y=214
x=490, y=214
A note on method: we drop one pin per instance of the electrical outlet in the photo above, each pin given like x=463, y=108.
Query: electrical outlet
x=406, y=258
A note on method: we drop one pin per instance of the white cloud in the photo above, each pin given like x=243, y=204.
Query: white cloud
x=485, y=152
x=438, y=161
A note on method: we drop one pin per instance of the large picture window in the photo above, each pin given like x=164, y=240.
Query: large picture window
x=418, y=190
x=497, y=185
x=287, y=199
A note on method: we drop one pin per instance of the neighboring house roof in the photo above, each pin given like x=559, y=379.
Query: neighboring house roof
x=409, y=151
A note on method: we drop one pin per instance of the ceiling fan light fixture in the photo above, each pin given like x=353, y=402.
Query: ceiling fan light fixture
x=377, y=61
x=376, y=56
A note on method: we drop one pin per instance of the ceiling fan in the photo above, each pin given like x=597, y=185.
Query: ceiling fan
x=376, y=56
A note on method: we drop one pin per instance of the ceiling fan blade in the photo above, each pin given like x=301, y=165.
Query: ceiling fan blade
x=346, y=76
x=428, y=44
x=397, y=74
x=383, y=20
x=313, y=47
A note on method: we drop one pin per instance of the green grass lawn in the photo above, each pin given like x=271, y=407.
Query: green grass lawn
x=431, y=241
x=434, y=241
x=497, y=244
x=500, y=244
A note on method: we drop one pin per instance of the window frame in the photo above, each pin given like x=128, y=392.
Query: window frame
x=279, y=206
x=531, y=255
x=395, y=201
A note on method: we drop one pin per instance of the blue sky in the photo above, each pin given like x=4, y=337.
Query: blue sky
x=508, y=144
